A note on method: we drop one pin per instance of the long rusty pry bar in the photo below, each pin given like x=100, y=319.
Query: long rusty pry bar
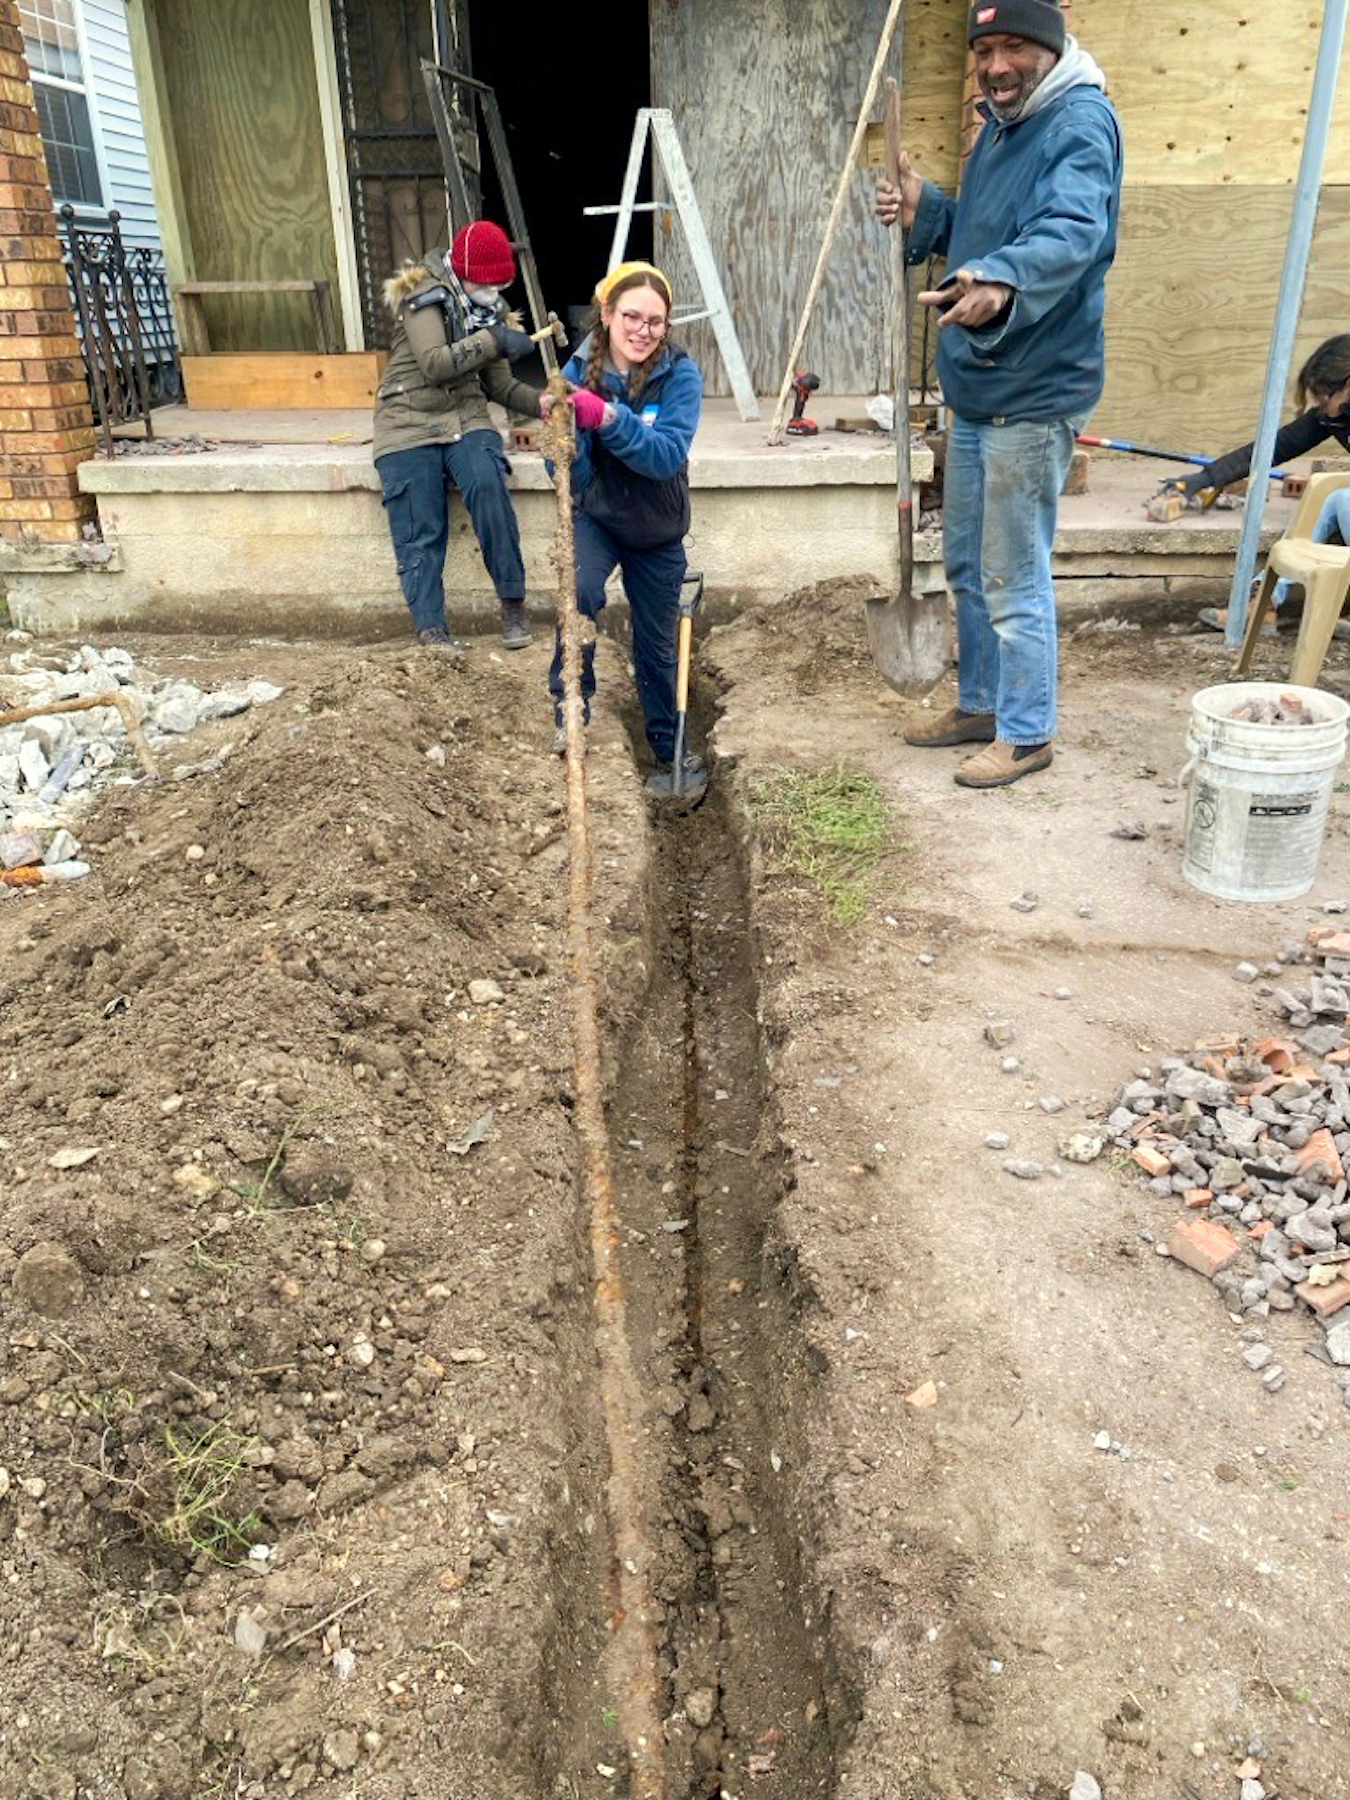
x=638, y=1685
x=87, y=704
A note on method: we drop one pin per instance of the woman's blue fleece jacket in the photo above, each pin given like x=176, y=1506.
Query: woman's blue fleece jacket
x=1039, y=211
x=654, y=439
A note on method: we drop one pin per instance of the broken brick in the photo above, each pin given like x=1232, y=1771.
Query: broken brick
x=1276, y=1053
x=1259, y=1230
x=1328, y=942
x=1202, y=1245
x=1198, y=1196
x=1340, y=1057
x=1319, y=1158
x=1151, y=1161
x=1325, y=1301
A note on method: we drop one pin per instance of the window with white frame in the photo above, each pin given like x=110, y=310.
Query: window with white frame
x=51, y=42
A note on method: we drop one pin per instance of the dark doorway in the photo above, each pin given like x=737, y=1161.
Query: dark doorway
x=569, y=81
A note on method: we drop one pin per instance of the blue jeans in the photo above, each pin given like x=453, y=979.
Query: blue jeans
x=651, y=580
x=416, y=485
x=1001, y=496
x=1333, y=523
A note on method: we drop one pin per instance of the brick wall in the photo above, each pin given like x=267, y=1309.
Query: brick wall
x=46, y=426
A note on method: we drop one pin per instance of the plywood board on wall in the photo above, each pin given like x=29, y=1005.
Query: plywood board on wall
x=1191, y=304
x=249, y=153
x=935, y=61
x=1214, y=93
x=279, y=380
x=765, y=95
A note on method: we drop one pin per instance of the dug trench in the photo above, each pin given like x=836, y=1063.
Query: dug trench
x=714, y=1305
x=303, y=1474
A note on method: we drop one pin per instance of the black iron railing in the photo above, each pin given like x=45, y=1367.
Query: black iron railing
x=125, y=323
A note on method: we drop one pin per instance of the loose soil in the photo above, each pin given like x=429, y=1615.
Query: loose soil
x=306, y=1479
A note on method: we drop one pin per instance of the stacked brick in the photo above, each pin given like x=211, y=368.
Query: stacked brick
x=46, y=427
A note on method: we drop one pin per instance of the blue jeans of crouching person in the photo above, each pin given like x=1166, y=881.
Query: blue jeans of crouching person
x=651, y=580
x=416, y=484
x=1000, y=502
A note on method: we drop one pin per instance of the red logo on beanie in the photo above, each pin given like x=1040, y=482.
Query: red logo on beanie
x=986, y=15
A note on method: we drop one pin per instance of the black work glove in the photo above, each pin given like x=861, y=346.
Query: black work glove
x=1189, y=485
x=511, y=344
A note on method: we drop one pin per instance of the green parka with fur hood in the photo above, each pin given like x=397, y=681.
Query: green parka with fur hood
x=433, y=391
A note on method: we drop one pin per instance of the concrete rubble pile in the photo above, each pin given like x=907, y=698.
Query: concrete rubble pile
x=52, y=766
x=1253, y=1138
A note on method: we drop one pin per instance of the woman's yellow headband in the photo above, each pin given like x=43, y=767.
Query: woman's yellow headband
x=603, y=289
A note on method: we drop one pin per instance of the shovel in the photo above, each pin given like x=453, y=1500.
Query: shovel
x=907, y=634
x=691, y=592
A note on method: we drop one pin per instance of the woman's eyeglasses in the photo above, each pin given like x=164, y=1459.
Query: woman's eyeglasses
x=636, y=321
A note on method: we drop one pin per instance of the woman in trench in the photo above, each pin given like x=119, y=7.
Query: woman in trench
x=637, y=398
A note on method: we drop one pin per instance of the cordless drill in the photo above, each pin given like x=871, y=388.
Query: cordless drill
x=803, y=385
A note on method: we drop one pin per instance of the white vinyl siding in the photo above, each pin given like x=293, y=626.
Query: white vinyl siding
x=117, y=118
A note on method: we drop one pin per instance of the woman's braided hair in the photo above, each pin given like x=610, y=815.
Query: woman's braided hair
x=640, y=373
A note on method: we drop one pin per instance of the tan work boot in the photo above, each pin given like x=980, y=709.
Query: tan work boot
x=952, y=727
x=1000, y=764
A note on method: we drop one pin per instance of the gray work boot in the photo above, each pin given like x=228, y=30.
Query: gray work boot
x=436, y=637
x=515, y=626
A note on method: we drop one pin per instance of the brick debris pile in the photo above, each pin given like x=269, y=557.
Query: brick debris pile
x=1253, y=1138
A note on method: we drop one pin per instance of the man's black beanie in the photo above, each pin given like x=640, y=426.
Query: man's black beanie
x=1039, y=20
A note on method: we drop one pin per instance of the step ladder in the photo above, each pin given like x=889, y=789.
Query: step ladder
x=658, y=122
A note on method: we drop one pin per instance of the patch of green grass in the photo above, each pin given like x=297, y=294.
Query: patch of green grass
x=830, y=825
x=202, y=1469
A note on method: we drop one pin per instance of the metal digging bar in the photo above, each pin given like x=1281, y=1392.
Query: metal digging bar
x=637, y=1684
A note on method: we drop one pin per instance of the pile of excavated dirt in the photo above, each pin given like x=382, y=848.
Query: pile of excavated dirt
x=299, y=1474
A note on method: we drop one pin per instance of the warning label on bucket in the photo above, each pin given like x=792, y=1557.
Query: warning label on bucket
x=1299, y=807
x=1284, y=831
x=1203, y=823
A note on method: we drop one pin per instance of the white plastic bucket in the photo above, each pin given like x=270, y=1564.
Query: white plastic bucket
x=1256, y=812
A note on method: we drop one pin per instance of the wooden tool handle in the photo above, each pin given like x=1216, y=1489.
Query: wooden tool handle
x=904, y=469
x=682, y=678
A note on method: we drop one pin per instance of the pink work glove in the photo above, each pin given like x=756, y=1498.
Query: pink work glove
x=589, y=408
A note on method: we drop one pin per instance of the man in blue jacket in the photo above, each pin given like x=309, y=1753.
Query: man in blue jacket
x=1021, y=355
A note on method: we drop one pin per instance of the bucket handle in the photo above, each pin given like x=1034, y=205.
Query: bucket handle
x=1188, y=772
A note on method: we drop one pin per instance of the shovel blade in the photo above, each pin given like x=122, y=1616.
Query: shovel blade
x=908, y=639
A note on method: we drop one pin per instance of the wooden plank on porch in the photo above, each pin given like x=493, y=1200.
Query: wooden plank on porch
x=275, y=380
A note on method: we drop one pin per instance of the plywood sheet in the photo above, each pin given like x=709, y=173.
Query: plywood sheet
x=249, y=151
x=935, y=60
x=1191, y=304
x=1214, y=93
x=280, y=379
x=765, y=96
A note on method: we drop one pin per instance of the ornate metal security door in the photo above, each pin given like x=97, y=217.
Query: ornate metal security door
x=394, y=166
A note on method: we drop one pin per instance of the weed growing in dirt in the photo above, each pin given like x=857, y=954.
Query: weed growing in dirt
x=830, y=825
x=202, y=1468
x=260, y=1193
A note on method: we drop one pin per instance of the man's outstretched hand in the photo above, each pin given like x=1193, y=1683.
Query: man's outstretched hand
x=964, y=300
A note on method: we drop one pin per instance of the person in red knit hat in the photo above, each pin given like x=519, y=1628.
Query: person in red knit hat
x=453, y=345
